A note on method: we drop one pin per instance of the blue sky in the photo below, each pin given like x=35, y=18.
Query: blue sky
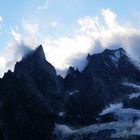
x=62, y=11
x=67, y=29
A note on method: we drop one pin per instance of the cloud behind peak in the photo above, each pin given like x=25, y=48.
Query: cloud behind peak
x=92, y=35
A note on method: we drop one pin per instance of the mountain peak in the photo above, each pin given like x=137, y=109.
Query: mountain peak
x=71, y=70
x=114, y=55
x=118, y=51
x=39, y=49
x=35, y=61
x=39, y=52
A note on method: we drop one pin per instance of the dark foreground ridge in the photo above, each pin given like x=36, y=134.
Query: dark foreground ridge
x=36, y=104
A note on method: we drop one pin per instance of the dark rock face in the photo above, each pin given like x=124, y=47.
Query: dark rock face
x=40, y=77
x=29, y=98
x=23, y=115
x=133, y=103
x=110, y=117
x=36, y=70
x=100, y=83
x=109, y=69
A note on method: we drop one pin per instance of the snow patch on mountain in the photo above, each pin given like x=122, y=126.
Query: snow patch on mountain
x=122, y=114
x=62, y=132
x=122, y=129
x=134, y=95
x=61, y=114
x=111, y=108
x=131, y=85
x=126, y=114
x=73, y=92
x=114, y=59
x=128, y=124
x=115, y=56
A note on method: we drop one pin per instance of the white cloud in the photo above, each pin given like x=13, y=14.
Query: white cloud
x=110, y=18
x=44, y=6
x=54, y=24
x=30, y=40
x=60, y=52
x=30, y=26
x=16, y=36
x=17, y=47
x=89, y=25
x=14, y=51
x=92, y=36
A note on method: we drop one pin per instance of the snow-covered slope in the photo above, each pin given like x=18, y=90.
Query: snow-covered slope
x=127, y=126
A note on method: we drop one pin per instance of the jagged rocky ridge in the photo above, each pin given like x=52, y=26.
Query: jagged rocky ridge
x=100, y=83
x=33, y=99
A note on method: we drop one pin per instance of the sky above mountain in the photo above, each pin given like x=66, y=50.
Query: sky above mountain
x=68, y=30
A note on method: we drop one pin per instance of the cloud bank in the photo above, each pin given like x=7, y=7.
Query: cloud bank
x=92, y=35
x=30, y=27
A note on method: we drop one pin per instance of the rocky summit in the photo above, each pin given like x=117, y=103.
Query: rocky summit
x=102, y=102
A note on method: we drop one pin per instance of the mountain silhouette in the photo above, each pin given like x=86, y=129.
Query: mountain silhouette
x=34, y=98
